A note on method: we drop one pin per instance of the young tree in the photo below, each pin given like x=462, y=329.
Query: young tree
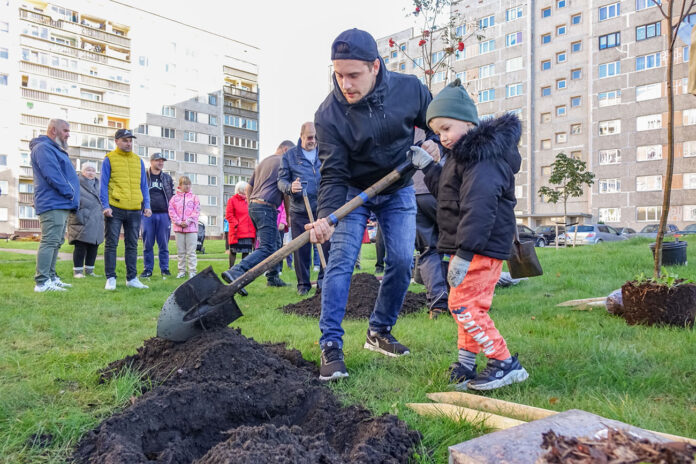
x=569, y=177
x=667, y=8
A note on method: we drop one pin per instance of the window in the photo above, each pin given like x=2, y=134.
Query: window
x=512, y=14
x=575, y=101
x=190, y=157
x=142, y=151
x=609, y=215
x=3, y=53
x=689, y=213
x=486, y=47
x=689, y=117
x=609, y=11
x=648, y=31
x=610, y=127
x=643, y=4
x=561, y=57
x=546, y=65
x=649, y=153
x=168, y=154
x=648, y=183
x=561, y=84
x=560, y=3
x=576, y=129
x=575, y=74
x=89, y=95
x=3, y=160
x=191, y=115
x=610, y=98
x=513, y=90
x=459, y=32
x=3, y=214
x=609, y=40
x=561, y=137
x=611, y=156
x=190, y=136
x=486, y=71
x=545, y=38
x=690, y=180
x=212, y=140
x=243, y=123
x=545, y=12
x=545, y=117
x=649, y=122
x=5, y=186
x=402, y=66
x=488, y=21
x=546, y=170
x=437, y=57
x=169, y=111
x=648, y=61
x=212, y=180
x=513, y=64
x=168, y=133
x=461, y=76
x=418, y=62
x=576, y=47
x=438, y=77
x=648, y=213
x=545, y=145
x=487, y=95
x=576, y=19
x=609, y=69
x=212, y=99
x=212, y=220
x=3, y=79
x=609, y=185
x=394, y=54
x=5, y=26
x=689, y=149
x=545, y=91
x=27, y=212
x=649, y=91
x=561, y=30
x=512, y=39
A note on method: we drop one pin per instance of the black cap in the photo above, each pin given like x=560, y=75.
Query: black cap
x=357, y=45
x=157, y=156
x=121, y=133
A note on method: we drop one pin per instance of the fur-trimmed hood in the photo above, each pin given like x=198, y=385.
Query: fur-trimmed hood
x=494, y=138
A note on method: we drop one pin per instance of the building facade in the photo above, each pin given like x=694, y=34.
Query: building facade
x=587, y=79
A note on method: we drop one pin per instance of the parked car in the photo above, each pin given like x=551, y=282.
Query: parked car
x=526, y=234
x=591, y=234
x=650, y=231
x=626, y=232
x=690, y=229
x=549, y=233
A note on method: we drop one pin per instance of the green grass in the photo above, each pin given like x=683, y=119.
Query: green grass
x=53, y=345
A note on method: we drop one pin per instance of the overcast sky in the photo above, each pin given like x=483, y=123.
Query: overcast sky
x=295, y=39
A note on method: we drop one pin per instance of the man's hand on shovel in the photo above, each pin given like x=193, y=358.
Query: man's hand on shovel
x=320, y=231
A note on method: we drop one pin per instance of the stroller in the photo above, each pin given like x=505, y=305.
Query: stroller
x=201, y=238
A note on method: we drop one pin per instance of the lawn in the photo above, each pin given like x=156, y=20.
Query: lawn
x=54, y=344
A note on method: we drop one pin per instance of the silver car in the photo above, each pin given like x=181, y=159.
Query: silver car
x=592, y=234
x=650, y=231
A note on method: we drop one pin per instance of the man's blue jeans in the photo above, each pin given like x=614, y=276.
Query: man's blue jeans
x=156, y=228
x=130, y=221
x=264, y=218
x=396, y=213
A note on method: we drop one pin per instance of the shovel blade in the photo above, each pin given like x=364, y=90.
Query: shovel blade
x=186, y=313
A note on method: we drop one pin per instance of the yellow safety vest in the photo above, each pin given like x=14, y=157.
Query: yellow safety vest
x=124, y=184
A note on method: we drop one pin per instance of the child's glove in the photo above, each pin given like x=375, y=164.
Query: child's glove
x=457, y=270
x=420, y=158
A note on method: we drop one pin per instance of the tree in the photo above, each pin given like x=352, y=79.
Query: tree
x=438, y=43
x=667, y=9
x=569, y=177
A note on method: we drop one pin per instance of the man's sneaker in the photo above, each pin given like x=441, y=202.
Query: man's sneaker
x=385, y=343
x=146, y=274
x=59, y=283
x=48, y=286
x=461, y=375
x=275, y=282
x=166, y=273
x=499, y=374
x=135, y=283
x=181, y=275
x=110, y=284
x=332, y=365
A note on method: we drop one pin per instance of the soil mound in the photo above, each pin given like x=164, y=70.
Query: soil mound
x=361, y=300
x=223, y=398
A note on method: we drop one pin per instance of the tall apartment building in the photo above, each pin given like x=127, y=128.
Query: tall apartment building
x=586, y=79
x=96, y=65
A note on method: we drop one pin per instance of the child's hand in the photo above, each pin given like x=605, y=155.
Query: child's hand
x=458, y=267
x=420, y=158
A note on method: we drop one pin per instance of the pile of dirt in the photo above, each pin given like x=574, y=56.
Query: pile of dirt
x=619, y=447
x=361, y=300
x=223, y=398
x=650, y=303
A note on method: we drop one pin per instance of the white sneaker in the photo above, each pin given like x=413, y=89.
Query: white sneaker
x=78, y=275
x=48, y=286
x=192, y=274
x=135, y=283
x=181, y=275
x=59, y=283
x=110, y=284
x=316, y=268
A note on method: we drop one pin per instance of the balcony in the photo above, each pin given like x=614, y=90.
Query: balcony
x=29, y=225
x=237, y=92
x=230, y=109
x=48, y=71
x=26, y=172
x=38, y=95
x=231, y=150
x=26, y=198
x=74, y=52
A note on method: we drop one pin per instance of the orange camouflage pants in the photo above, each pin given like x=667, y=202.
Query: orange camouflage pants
x=469, y=304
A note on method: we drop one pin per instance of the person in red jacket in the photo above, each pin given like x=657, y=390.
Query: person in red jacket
x=241, y=232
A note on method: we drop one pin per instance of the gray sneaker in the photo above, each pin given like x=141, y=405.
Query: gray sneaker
x=48, y=286
x=135, y=283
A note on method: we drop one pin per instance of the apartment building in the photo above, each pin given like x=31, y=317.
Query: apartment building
x=96, y=65
x=586, y=79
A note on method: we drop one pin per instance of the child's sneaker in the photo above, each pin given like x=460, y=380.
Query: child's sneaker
x=460, y=375
x=181, y=275
x=499, y=374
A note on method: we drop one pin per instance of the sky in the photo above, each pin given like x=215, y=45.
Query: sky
x=295, y=39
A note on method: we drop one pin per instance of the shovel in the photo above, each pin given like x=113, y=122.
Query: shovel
x=308, y=207
x=205, y=302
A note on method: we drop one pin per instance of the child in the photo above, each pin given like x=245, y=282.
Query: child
x=475, y=191
x=184, y=209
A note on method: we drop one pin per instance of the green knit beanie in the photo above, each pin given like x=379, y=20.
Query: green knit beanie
x=453, y=102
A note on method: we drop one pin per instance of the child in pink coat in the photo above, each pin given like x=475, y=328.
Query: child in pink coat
x=184, y=210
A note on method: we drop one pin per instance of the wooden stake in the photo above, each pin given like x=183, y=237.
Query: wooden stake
x=492, y=405
x=458, y=414
x=584, y=301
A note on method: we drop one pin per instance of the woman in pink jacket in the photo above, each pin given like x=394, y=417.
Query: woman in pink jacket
x=184, y=210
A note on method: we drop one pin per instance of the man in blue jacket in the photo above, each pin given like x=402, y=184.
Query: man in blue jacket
x=299, y=170
x=56, y=193
x=365, y=128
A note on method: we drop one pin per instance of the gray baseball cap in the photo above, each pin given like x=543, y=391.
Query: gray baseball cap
x=157, y=156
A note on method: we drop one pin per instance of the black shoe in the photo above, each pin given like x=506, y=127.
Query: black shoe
x=358, y=267
x=461, y=375
x=145, y=274
x=276, y=282
x=166, y=273
x=379, y=270
x=229, y=276
x=499, y=374
x=302, y=291
x=384, y=343
x=332, y=365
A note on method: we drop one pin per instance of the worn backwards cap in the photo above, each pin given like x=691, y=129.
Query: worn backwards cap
x=453, y=102
x=121, y=133
x=360, y=45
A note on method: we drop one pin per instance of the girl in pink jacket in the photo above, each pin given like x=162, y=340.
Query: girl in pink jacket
x=184, y=210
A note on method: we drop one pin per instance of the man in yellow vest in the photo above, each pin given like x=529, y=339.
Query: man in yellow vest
x=124, y=194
